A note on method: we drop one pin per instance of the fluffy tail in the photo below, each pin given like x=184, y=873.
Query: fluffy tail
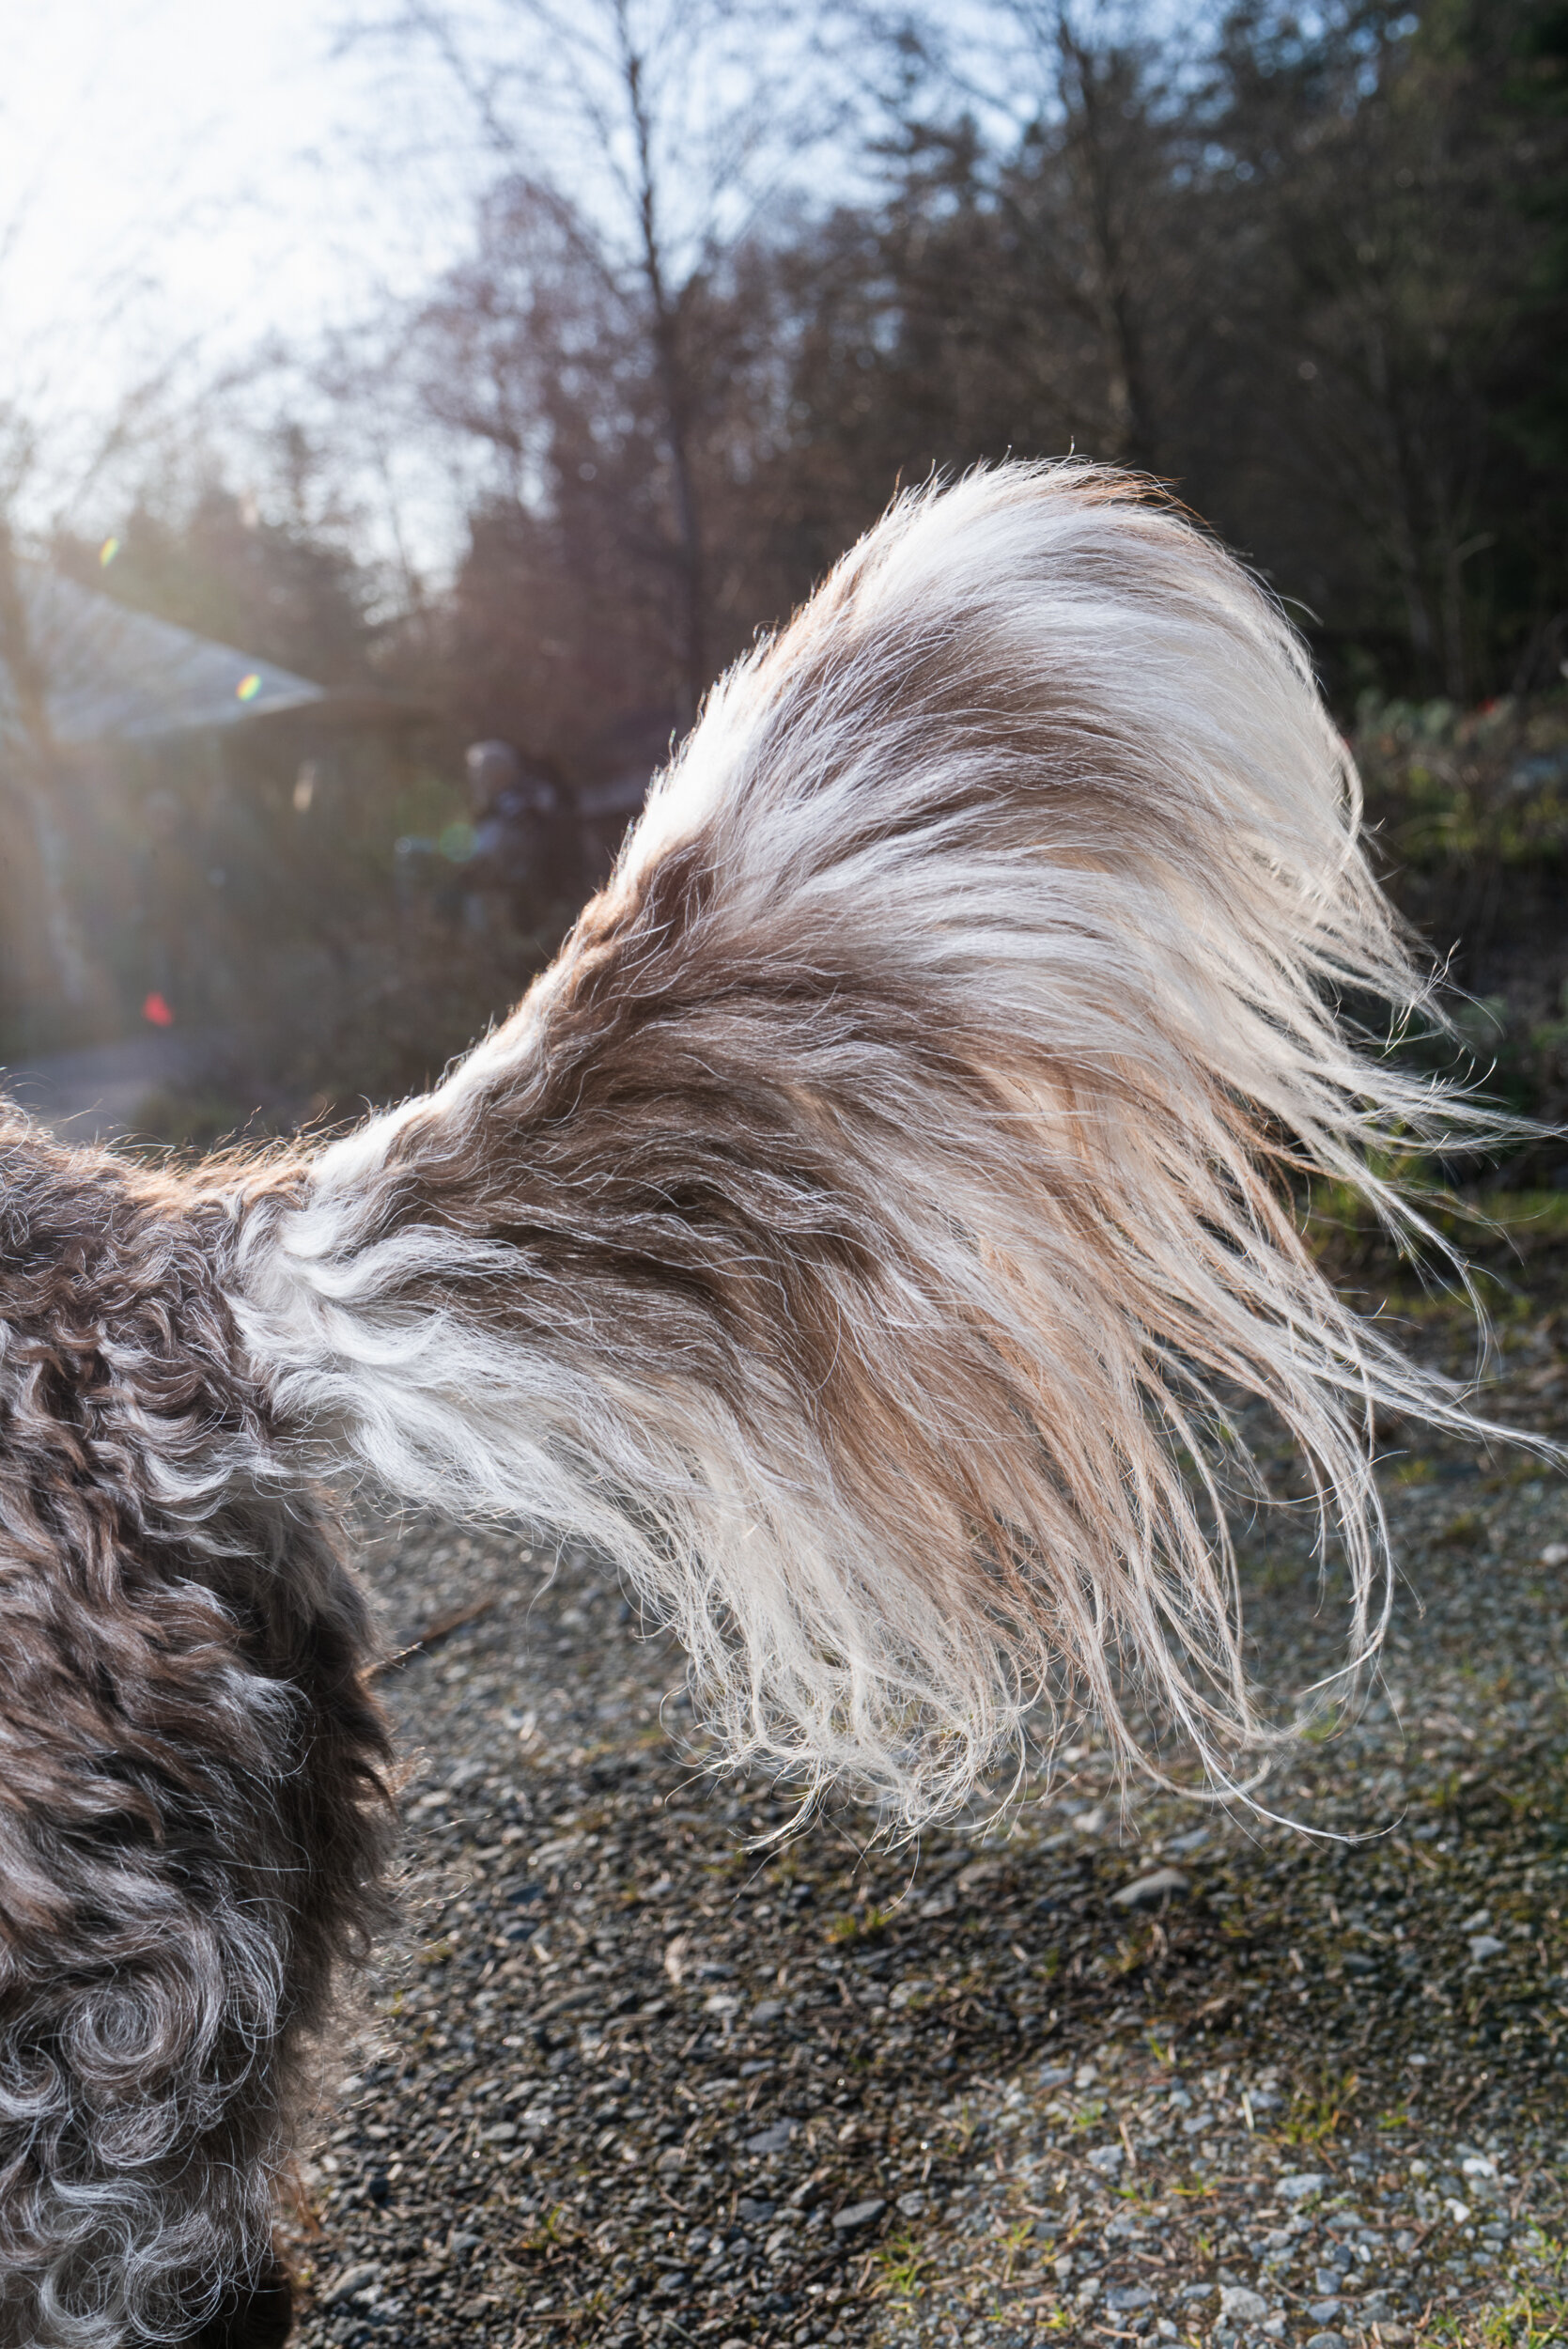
x=862, y=1232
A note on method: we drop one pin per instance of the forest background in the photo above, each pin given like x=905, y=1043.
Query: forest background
x=733, y=276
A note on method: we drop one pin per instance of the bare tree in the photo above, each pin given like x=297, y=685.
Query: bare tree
x=1071, y=115
x=643, y=142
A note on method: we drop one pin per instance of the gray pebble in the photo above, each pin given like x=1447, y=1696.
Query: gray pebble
x=858, y=2215
x=1145, y=1891
x=1296, y=2185
x=353, y=2280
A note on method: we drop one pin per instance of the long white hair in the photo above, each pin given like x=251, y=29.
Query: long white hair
x=862, y=1233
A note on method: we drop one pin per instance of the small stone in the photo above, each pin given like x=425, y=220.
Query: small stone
x=353, y=2280
x=1054, y=2075
x=910, y=2206
x=1147, y=1891
x=1485, y=1945
x=1240, y=2306
x=858, y=2215
x=1196, y=2292
x=676, y=1957
x=502, y=2134
x=1296, y=2185
x=1107, y=2159
x=1326, y=2341
x=775, y=2139
x=1555, y=1554
x=1321, y=2311
x=1127, y=2296
x=911, y=1987
x=766, y=2011
x=670, y=2160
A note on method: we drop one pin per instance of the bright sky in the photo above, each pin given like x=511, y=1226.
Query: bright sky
x=181, y=169
x=180, y=178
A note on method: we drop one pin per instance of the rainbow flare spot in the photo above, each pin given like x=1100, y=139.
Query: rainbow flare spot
x=107, y=551
x=248, y=688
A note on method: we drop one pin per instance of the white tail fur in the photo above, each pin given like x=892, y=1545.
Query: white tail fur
x=858, y=1230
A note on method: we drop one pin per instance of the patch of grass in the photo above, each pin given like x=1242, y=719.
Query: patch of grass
x=1135, y=1952
x=1533, y=2319
x=900, y=2267
x=860, y=1924
x=1313, y=2118
x=1318, y=1732
x=1465, y=1531
x=552, y=2232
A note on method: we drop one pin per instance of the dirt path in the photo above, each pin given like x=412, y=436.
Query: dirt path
x=102, y=1092
x=636, y=2079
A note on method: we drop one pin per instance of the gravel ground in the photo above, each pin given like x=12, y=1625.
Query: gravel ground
x=1110, y=2070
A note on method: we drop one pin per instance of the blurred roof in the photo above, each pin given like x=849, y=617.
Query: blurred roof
x=112, y=674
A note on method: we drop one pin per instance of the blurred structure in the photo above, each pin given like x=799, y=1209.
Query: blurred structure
x=179, y=811
x=525, y=863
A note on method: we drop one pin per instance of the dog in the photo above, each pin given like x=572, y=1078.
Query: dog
x=857, y=1238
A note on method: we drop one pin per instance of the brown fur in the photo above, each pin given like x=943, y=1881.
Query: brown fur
x=193, y=1819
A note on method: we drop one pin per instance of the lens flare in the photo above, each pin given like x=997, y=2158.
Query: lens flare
x=248, y=688
x=156, y=1010
x=107, y=551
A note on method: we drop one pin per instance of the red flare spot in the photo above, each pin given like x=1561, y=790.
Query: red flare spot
x=158, y=1012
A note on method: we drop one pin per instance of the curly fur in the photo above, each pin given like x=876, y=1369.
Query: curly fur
x=856, y=1237
x=193, y=1830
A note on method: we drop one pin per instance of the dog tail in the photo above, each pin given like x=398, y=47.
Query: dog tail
x=866, y=1232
